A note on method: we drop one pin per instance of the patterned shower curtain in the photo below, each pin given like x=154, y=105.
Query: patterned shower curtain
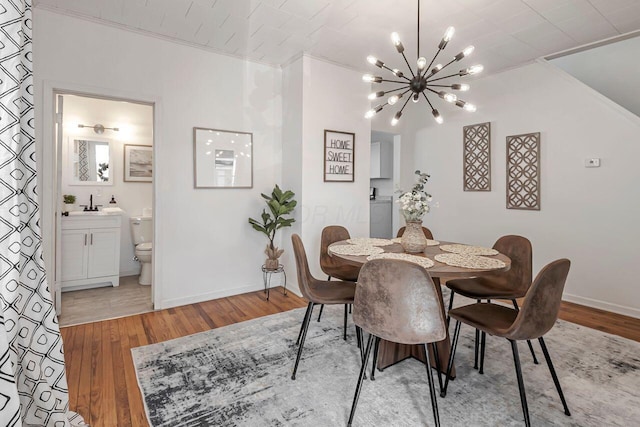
x=33, y=384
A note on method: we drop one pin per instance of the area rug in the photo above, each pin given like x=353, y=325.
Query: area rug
x=240, y=375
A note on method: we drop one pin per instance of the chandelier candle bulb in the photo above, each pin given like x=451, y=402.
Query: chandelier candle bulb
x=475, y=69
x=437, y=116
x=448, y=35
x=375, y=95
x=449, y=97
x=398, y=73
x=422, y=62
x=375, y=61
x=371, y=79
x=461, y=87
x=393, y=99
x=416, y=97
x=466, y=52
x=395, y=38
x=396, y=118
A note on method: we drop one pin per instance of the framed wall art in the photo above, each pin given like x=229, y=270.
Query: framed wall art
x=138, y=163
x=523, y=171
x=477, y=157
x=339, y=155
x=222, y=158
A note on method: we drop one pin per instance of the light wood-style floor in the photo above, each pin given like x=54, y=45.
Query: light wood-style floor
x=91, y=305
x=102, y=381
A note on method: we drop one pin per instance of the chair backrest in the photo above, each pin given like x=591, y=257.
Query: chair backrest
x=519, y=250
x=541, y=305
x=397, y=301
x=425, y=230
x=305, y=279
x=331, y=234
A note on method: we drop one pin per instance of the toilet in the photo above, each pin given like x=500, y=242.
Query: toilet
x=142, y=233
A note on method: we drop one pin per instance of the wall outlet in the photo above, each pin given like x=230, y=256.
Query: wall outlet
x=592, y=163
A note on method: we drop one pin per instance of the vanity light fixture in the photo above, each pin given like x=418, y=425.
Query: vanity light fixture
x=423, y=80
x=98, y=128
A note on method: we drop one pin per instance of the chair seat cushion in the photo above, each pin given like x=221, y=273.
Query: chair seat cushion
x=491, y=318
x=483, y=288
x=333, y=292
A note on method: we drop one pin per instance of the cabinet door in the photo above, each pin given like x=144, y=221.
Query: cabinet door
x=75, y=250
x=104, y=252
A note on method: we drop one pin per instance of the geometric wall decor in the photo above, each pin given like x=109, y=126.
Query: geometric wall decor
x=523, y=171
x=477, y=157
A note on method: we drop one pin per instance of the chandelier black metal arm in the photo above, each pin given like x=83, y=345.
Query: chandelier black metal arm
x=422, y=81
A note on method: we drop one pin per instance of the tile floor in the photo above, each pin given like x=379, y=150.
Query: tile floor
x=91, y=305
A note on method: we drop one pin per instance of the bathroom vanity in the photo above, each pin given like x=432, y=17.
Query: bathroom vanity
x=90, y=251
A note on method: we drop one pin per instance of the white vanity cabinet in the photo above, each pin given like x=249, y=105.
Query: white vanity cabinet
x=90, y=251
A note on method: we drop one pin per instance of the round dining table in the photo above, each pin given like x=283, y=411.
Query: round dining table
x=390, y=353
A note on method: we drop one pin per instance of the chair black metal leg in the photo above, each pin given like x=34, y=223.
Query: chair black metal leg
x=438, y=367
x=523, y=395
x=307, y=320
x=346, y=309
x=456, y=333
x=432, y=389
x=483, y=342
x=306, y=314
x=363, y=368
x=321, y=309
x=450, y=306
x=350, y=307
x=476, y=343
x=375, y=359
x=533, y=353
x=553, y=375
x=359, y=339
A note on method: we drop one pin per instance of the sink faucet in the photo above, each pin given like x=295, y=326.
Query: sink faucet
x=91, y=207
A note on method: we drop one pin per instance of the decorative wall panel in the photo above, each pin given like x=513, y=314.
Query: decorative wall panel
x=477, y=157
x=523, y=171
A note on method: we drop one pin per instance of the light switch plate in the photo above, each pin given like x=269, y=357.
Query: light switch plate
x=592, y=163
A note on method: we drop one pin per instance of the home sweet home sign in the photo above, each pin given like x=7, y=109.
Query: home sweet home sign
x=339, y=152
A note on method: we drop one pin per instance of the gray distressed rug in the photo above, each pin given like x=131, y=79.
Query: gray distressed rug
x=239, y=375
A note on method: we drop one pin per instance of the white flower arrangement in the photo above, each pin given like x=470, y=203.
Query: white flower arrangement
x=415, y=203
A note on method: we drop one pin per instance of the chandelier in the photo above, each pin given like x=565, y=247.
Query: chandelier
x=425, y=80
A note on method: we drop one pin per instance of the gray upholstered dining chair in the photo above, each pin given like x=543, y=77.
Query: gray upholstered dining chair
x=508, y=285
x=397, y=301
x=316, y=292
x=333, y=267
x=537, y=316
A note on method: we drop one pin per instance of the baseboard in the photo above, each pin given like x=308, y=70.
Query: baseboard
x=175, y=302
x=602, y=305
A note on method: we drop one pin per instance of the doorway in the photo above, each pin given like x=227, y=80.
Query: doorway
x=384, y=182
x=104, y=166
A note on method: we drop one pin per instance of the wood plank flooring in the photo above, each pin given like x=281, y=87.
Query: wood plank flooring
x=102, y=381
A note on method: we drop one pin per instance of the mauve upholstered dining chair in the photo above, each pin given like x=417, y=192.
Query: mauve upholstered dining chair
x=508, y=285
x=397, y=301
x=316, y=292
x=537, y=316
x=333, y=267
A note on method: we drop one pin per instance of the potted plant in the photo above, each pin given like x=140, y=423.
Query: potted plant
x=69, y=202
x=280, y=204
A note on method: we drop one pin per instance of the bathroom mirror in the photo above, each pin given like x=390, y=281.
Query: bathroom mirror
x=222, y=158
x=90, y=162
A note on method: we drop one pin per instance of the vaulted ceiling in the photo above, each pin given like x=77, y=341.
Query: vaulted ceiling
x=506, y=33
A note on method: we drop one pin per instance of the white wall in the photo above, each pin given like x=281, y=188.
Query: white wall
x=612, y=69
x=587, y=215
x=135, y=122
x=204, y=247
x=324, y=96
